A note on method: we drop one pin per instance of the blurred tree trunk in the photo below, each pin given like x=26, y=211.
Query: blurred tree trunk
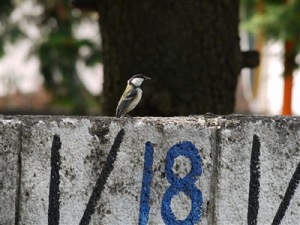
x=189, y=48
x=289, y=67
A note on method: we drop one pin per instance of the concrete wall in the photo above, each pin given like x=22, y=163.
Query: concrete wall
x=182, y=170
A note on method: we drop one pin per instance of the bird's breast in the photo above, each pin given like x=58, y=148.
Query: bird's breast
x=136, y=100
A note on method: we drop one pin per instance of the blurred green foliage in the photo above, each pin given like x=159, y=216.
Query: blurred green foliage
x=279, y=19
x=57, y=48
x=8, y=31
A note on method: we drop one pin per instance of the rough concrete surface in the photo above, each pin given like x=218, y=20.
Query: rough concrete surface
x=279, y=156
x=199, y=169
x=9, y=170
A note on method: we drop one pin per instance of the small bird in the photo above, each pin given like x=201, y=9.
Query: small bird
x=132, y=95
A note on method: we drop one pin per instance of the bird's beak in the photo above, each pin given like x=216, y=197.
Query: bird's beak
x=147, y=78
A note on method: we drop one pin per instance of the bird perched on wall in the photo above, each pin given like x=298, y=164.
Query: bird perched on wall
x=131, y=96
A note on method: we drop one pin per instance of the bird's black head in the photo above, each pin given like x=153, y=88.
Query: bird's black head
x=138, y=79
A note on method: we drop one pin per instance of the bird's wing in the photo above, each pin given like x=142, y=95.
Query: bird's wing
x=123, y=104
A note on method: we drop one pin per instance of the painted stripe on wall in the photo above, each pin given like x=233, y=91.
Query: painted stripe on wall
x=53, y=210
x=294, y=183
x=254, y=185
x=106, y=170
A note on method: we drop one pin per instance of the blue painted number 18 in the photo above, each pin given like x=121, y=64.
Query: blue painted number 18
x=177, y=185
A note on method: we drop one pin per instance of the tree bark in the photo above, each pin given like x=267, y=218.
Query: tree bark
x=289, y=67
x=189, y=48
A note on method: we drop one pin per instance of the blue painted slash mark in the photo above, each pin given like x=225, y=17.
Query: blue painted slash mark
x=185, y=185
x=147, y=178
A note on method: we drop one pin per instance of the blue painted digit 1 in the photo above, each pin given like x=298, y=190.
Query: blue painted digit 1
x=147, y=178
x=186, y=184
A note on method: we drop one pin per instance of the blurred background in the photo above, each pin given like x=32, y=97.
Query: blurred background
x=51, y=58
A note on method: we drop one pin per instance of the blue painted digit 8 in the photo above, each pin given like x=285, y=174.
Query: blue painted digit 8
x=186, y=184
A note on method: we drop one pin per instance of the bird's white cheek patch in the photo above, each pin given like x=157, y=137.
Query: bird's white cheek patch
x=137, y=81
